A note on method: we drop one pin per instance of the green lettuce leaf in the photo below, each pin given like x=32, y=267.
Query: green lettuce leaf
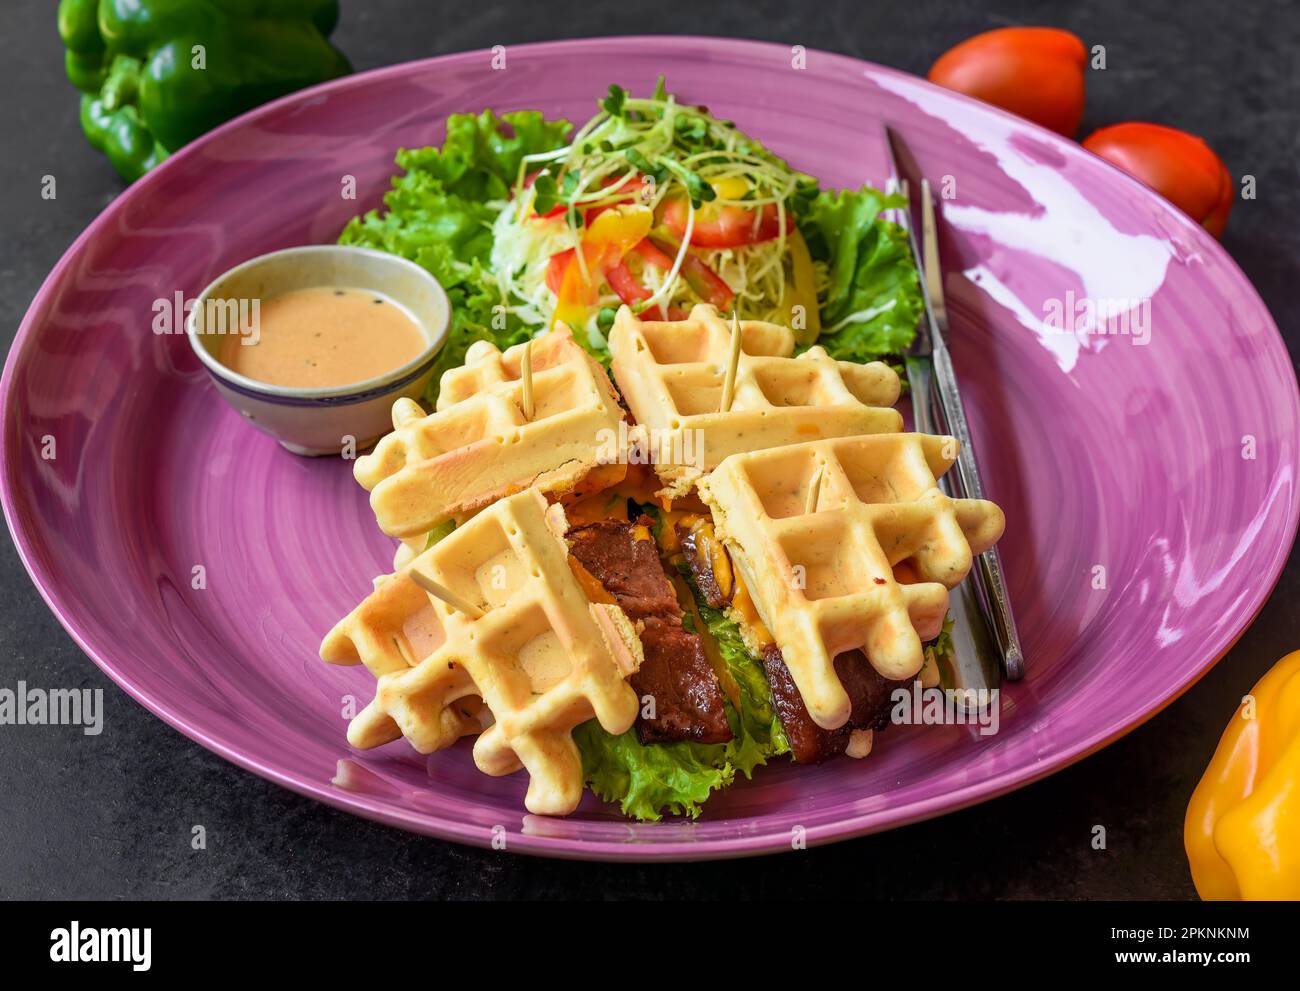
x=439, y=215
x=480, y=158
x=942, y=645
x=872, y=302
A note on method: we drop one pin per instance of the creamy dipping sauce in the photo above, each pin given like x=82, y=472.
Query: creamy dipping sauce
x=325, y=336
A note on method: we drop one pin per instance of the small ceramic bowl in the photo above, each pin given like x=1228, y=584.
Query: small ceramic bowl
x=324, y=420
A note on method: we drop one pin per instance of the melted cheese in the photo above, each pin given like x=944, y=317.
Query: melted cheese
x=706, y=543
x=719, y=561
x=590, y=584
x=747, y=614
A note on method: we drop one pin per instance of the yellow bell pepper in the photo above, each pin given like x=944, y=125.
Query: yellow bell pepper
x=1242, y=831
x=609, y=237
x=730, y=188
x=803, y=292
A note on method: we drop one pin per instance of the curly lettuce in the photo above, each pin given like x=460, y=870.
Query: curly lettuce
x=439, y=214
x=872, y=301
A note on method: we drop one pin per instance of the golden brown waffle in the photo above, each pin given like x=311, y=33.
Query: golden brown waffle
x=671, y=375
x=815, y=531
x=540, y=655
x=391, y=632
x=479, y=446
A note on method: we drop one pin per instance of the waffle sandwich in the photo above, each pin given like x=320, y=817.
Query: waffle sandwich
x=482, y=444
x=816, y=531
x=673, y=377
x=525, y=640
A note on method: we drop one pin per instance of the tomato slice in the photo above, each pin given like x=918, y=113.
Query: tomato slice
x=725, y=226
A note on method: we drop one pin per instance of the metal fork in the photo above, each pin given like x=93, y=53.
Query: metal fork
x=981, y=606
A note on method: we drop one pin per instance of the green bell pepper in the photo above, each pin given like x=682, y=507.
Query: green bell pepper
x=155, y=74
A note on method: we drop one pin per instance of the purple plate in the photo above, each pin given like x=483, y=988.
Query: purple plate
x=1148, y=473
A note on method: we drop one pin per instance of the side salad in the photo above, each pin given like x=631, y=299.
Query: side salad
x=653, y=203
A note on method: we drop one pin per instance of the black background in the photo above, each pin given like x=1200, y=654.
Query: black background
x=110, y=816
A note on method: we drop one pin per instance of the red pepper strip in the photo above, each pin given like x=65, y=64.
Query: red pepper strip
x=630, y=291
x=556, y=267
x=708, y=285
x=651, y=255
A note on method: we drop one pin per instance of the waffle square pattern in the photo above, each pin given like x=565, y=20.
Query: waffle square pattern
x=479, y=445
x=672, y=377
x=816, y=530
x=534, y=650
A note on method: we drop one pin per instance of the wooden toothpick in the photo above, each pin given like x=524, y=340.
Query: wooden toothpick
x=446, y=595
x=814, y=491
x=733, y=362
x=526, y=373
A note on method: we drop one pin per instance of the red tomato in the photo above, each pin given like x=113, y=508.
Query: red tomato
x=1036, y=73
x=1179, y=166
x=724, y=226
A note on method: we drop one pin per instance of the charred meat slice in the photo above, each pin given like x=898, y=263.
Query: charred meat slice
x=868, y=695
x=628, y=567
x=869, y=692
x=676, y=674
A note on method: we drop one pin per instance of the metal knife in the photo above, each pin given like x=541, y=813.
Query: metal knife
x=983, y=603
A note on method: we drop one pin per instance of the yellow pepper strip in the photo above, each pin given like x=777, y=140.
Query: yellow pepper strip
x=804, y=291
x=1242, y=831
x=604, y=243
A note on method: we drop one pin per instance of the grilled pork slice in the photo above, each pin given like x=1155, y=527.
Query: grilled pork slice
x=868, y=692
x=676, y=674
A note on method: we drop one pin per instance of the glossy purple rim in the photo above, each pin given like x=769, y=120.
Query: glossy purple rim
x=48, y=584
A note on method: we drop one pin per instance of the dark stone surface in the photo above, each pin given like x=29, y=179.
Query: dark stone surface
x=110, y=816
